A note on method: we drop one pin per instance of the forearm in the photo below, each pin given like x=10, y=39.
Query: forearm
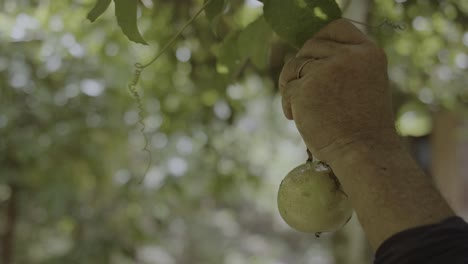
x=340, y=94
x=388, y=190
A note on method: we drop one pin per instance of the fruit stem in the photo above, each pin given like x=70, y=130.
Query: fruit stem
x=310, y=157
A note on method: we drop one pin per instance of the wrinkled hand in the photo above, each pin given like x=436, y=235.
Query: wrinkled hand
x=342, y=96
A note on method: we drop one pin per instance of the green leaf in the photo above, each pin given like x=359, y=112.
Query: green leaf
x=254, y=42
x=98, y=9
x=126, y=13
x=214, y=9
x=229, y=59
x=251, y=43
x=296, y=21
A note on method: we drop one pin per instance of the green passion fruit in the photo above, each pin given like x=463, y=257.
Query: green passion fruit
x=310, y=199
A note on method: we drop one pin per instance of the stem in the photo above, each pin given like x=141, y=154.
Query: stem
x=173, y=39
x=310, y=158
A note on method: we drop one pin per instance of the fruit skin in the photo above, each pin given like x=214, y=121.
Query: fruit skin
x=295, y=21
x=310, y=200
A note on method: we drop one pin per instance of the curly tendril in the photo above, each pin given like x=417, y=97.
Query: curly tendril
x=394, y=25
x=141, y=113
x=136, y=78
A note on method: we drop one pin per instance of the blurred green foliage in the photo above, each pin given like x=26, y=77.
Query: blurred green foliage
x=70, y=146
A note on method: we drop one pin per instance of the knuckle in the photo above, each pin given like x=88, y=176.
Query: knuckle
x=312, y=44
x=309, y=43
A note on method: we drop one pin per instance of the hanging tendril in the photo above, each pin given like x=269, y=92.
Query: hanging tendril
x=136, y=78
x=141, y=113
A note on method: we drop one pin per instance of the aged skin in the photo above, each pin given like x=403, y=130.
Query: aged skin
x=341, y=105
x=344, y=91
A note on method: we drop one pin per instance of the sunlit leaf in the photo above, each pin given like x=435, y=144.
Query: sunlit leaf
x=126, y=13
x=297, y=20
x=254, y=42
x=229, y=59
x=100, y=7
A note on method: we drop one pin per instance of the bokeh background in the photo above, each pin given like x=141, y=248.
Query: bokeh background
x=70, y=145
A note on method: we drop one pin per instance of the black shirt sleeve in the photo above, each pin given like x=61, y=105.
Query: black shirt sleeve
x=442, y=243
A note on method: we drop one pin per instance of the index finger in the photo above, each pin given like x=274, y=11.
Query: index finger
x=290, y=71
x=342, y=31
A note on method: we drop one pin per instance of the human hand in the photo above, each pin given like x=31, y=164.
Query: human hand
x=341, y=96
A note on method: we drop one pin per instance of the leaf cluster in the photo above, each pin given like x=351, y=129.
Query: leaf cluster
x=294, y=21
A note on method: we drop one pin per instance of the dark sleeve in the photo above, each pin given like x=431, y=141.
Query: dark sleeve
x=442, y=243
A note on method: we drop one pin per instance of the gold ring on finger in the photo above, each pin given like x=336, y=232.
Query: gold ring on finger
x=301, y=68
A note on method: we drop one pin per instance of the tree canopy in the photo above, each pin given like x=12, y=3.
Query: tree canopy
x=70, y=141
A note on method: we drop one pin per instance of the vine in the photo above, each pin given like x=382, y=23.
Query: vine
x=141, y=114
x=139, y=68
x=295, y=24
